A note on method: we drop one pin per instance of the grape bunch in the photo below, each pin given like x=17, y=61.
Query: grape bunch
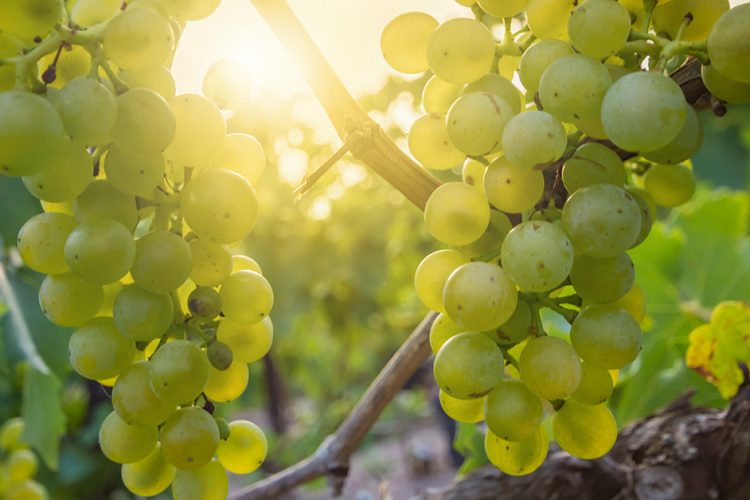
x=144, y=193
x=568, y=132
x=18, y=465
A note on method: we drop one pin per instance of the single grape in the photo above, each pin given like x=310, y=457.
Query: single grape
x=212, y=263
x=26, y=490
x=599, y=28
x=20, y=465
x=537, y=58
x=512, y=412
x=593, y=163
x=241, y=153
x=725, y=88
x=429, y=143
x=246, y=297
x=456, y=213
x=512, y=188
x=135, y=401
x=204, y=303
x=73, y=61
x=438, y=95
x=162, y=262
x=516, y=329
x=67, y=300
x=602, y=280
x=227, y=83
x=468, y=366
x=200, y=131
x=669, y=185
x=684, y=146
x=132, y=173
x=145, y=122
x=142, y=315
x=178, y=372
x=461, y=50
x=189, y=438
x=207, y=483
x=517, y=458
x=404, y=41
x=220, y=206
x=219, y=355
x=499, y=86
x=150, y=475
x=606, y=337
x=442, y=329
x=479, y=296
x=468, y=411
x=158, y=79
x=489, y=243
x=30, y=18
x=245, y=263
x=475, y=122
x=550, y=368
x=100, y=251
x=586, y=432
x=669, y=16
x=11, y=434
x=432, y=273
x=64, y=178
x=534, y=138
x=595, y=387
x=97, y=350
x=537, y=256
x=88, y=110
x=601, y=220
x=227, y=385
x=472, y=173
x=124, y=443
x=245, y=449
x=633, y=302
x=138, y=40
x=90, y=12
x=549, y=18
x=41, y=242
x=101, y=200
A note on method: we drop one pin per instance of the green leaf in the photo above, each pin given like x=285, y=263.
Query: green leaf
x=43, y=414
x=469, y=442
x=17, y=206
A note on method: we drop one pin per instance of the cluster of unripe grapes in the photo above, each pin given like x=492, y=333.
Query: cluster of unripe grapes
x=144, y=193
x=18, y=465
x=538, y=103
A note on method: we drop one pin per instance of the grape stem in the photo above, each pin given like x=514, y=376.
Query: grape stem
x=510, y=359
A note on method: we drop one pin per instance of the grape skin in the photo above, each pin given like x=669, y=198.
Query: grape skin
x=586, y=432
x=178, y=372
x=517, y=458
x=430, y=144
x=189, y=438
x=550, y=368
x=479, y=296
x=456, y=213
x=469, y=411
x=404, y=39
x=460, y=50
x=41, y=242
x=150, y=475
x=512, y=412
x=468, y=366
x=245, y=449
x=606, y=337
x=533, y=138
x=475, y=122
x=511, y=188
x=537, y=58
x=432, y=273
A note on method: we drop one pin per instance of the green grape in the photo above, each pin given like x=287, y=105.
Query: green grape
x=100, y=251
x=606, y=337
x=669, y=16
x=503, y=8
x=162, y=262
x=227, y=385
x=472, y=173
x=596, y=385
x=669, y=185
x=516, y=329
x=150, y=475
x=479, y=296
x=90, y=12
x=633, y=302
x=476, y=121
x=102, y=200
x=429, y=143
x=97, y=350
x=648, y=212
x=145, y=122
x=227, y=84
x=404, y=41
x=442, y=329
x=499, y=86
x=599, y=28
x=67, y=300
x=124, y=443
x=490, y=241
x=11, y=434
x=41, y=242
x=189, y=10
x=249, y=343
x=467, y=3
x=20, y=465
x=537, y=58
x=204, y=303
x=74, y=61
x=512, y=412
x=593, y=163
x=246, y=297
x=241, y=153
x=189, y=438
x=132, y=173
x=200, y=131
x=207, y=483
x=519, y=458
x=468, y=411
x=135, y=401
x=438, y=95
x=725, y=88
x=142, y=315
x=31, y=132
x=212, y=263
x=468, y=366
x=602, y=280
x=138, y=40
x=586, y=432
x=456, y=213
x=245, y=449
x=158, y=79
x=26, y=490
x=9, y=47
x=549, y=18
x=534, y=138
x=643, y=111
x=601, y=220
x=550, y=368
x=537, y=256
x=432, y=273
x=65, y=177
x=30, y=18
x=88, y=110
x=220, y=356
x=573, y=88
x=511, y=188
x=178, y=372
x=684, y=146
x=220, y=206
x=245, y=263
x=461, y=50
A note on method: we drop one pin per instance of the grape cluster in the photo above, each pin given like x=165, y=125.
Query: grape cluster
x=144, y=193
x=18, y=465
x=558, y=183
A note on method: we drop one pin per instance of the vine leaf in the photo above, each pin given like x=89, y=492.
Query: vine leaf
x=718, y=347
